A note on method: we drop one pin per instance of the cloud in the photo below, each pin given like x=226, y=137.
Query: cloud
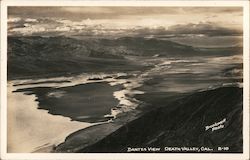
x=135, y=20
x=31, y=26
x=31, y=20
x=13, y=20
x=190, y=29
x=208, y=29
x=28, y=26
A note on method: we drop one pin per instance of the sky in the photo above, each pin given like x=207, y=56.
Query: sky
x=161, y=22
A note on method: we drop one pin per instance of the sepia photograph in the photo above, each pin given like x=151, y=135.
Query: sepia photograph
x=125, y=79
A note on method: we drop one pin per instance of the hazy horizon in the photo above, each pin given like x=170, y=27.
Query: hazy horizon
x=200, y=26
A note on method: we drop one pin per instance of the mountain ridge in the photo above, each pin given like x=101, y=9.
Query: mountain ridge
x=36, y=55
x=183, y=123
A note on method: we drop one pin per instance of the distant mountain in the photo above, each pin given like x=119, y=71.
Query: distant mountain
x=52, y=56
x=37, y=56
x=98, y=54
x=146, y=47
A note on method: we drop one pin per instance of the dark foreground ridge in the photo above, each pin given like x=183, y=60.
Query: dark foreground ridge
x=183, y=124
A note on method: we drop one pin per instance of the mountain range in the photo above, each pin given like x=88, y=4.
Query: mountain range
x=36, y=55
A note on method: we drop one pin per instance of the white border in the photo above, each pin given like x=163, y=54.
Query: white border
x=123, y=156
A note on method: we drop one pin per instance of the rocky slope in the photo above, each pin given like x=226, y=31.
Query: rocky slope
x=204, y=119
